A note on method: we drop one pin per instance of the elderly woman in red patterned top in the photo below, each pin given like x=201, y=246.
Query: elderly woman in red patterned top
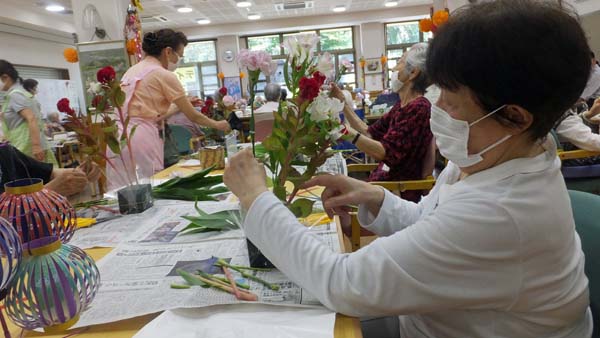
x=400, y=140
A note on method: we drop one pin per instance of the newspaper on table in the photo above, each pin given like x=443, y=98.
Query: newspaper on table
x=136, y=279
x=159, y=224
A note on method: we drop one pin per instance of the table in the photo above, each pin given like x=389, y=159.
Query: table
x=345, y=327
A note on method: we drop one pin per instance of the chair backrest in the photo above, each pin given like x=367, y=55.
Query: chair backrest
x=182, y=137
x=263, y=126
x=586, y=212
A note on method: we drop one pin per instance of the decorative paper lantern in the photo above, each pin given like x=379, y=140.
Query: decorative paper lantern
x=425, y=25
x=36, y=212
x=71, y=55
x=440, y=17
x=10, y=258
x=131, y=47
x=54, y=284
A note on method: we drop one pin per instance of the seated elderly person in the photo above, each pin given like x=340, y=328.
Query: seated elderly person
x=401, y=140
x=263, y=116
x=15, y=165
x=53, y=125
x=492, y=251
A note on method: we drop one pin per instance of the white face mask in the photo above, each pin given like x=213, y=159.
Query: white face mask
x=173, y=66
x=396, y=84
x=452, y=137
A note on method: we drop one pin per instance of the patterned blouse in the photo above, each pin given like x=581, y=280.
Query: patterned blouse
x=405, y=134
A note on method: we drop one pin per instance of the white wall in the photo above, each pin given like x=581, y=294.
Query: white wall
x=28, y=51
x=591, y=25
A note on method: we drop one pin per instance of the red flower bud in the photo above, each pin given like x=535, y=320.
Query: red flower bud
x=223, y=91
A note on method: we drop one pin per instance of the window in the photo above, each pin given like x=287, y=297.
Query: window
x=198, y=73
x=399, y=37
x=339, y=42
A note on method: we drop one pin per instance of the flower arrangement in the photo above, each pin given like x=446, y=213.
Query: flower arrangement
x=107, y=93
x=71, y=55
x=438, y=19
x=308, y=124
x=255, y=62
x=225, y=102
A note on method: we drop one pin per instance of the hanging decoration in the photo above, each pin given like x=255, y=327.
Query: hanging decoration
x=362, y=62
x=11, y=253
x=436, y=20
x=54, y=284
x=384, y=64
x=71, y=55
x=133, y=30
x=35, y=212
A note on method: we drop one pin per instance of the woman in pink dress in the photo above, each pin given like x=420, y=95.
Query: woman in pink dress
x=150, y=87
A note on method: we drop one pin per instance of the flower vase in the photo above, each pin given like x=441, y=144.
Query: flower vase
x=256, y=257
x=135, y=199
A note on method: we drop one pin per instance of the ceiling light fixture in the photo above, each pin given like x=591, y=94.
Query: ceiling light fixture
x=243, y=4
x=253, y=16
x=204, y=21
x=55, y=8
x=340, y=8
x=185, y=9
x=391, y=3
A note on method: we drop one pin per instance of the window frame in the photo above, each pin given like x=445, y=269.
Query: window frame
x=401, y=46
x=198, y=65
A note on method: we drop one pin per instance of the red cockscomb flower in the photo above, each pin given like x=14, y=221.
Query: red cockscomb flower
x=64, y=106
x=106, y=75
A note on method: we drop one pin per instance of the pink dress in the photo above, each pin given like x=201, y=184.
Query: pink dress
x=149, y=90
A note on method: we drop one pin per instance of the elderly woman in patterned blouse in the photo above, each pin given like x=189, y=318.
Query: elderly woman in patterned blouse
x=401, y=138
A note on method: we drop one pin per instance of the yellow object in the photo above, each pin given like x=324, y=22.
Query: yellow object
x=61, y=327
x=440, y=17
x=315, y=219
x=242, y=75
x=27, y=189
x=43, y=250
x=71, y=55
x=85, y=222
x=220, y=75
x=131, y=47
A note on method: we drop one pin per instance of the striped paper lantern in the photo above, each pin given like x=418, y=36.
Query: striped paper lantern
x=54, y=284
x=10, y=254
x=36, y=212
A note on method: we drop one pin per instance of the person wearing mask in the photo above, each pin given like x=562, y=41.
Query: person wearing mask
x=592, y=89
x=14, y=165
x=401, y=139
x=150, y=87
x=21, y=118
x=492, y=251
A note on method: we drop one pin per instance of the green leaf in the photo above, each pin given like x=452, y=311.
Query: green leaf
x=119, y=95
x=272, y=143
x=302, y=207
x=110, y=129
x=191, y=279
x=280, y=192
x=113, y=144
x=133, y=129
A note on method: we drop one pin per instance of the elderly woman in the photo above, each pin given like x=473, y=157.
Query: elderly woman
x=492, y=251
x=263, y=116
x=400, y=140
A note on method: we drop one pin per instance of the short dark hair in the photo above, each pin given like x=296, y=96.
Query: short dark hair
x=524, y=52
x=592, y=55
x=30, y=85
x=7, y=68
x=155, y=42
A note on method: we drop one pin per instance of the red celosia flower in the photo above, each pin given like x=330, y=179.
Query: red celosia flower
x=319, y=77
x=309, y=88
x=64, y=106
x=223, y=91
x=106, y=74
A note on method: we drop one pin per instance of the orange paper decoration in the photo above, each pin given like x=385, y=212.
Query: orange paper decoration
x=71, y=55
x=221, y=76
x=425, y=25
x=242, y=75
x=131, y=46
x=384, y=60
x=362, y=62
x=440, y=17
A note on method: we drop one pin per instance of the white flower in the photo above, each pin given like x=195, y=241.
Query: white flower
x=337, y=133
x=301, y=47
x=324, y=108
x=325, y=65
x=95, y=88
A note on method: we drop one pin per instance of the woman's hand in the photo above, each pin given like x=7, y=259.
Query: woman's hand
x=37, y=152
x=337, y=93
x=67, y=182
x=92, y=171
x=341, y=192
x=245, y=177
x=594, y=110
x=222, y=125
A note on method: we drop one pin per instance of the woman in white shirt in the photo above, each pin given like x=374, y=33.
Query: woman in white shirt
x=492, y=250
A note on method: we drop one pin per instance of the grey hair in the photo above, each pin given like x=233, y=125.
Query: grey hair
x=53, y=114
x=273, y=92
x=416, y=58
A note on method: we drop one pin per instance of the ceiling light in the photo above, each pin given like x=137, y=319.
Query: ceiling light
x=254, y=16
x=391, y=4
x=184, y=9
x=340, y=8
x=55, y=8
x=203, y=21
x=244, y=4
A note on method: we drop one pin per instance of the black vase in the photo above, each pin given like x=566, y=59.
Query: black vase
x=257, y=259
x=135, y=199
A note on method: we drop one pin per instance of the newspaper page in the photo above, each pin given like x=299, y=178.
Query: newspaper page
x=159, y=224
x=136, y=279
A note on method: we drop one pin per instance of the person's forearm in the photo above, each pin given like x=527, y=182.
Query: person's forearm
x=188, y=110
x=34, y=132
x=355, y=121
x=371, y=147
